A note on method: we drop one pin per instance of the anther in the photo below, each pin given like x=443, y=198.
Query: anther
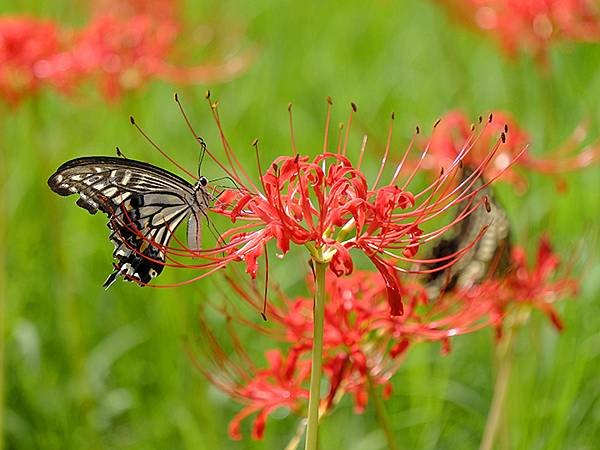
x=353, y=105
x=207, y=95
x=486, y=202
x=437, y=122
x=491, y=118
x=503, y=137
x=132, y=120
x=329, y=100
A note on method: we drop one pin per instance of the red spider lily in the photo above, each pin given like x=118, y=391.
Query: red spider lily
x=31, y=54
x=531, y=25
x=326, y=204
x=454, y=130
x=362, y=344
x=538, y=286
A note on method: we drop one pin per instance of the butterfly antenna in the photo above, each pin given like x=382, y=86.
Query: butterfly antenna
x=171, y=160
x=202, y=153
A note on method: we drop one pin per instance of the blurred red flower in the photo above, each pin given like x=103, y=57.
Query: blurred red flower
x=31, y=55
x=530, y=25
x=525, y=286
x=454, y=131
x=124, y=45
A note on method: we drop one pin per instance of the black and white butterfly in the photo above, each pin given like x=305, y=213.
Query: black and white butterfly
x=144, y=203
x=491, y=253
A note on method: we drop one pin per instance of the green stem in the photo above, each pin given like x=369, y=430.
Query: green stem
x=382, y=416
x=317, y=359
x=500, y=389
x=3, y=238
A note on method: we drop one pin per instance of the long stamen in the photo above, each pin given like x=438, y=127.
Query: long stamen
x=327, y=121
x=353, y=109
x=385, y=153
x=180, y=167
x=363, y=147
x=292, y=129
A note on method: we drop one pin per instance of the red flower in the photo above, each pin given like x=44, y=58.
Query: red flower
x=537, y=287
x=362, y=344
x=454, y=131
x=530, y=25
x=327, y=205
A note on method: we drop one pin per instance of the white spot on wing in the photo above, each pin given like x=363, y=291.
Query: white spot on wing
x=109, y=192
x=126, y=177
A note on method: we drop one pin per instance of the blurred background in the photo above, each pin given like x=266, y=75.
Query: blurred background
x=95, y=369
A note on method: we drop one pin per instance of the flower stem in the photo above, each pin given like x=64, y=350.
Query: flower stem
x=317, y=358
x=382, y=416
x=504, y=354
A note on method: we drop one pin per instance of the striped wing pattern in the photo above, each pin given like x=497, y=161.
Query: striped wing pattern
x=144, y=203
x=490, y=254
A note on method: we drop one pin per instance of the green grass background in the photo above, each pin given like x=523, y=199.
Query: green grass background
x=86, y=368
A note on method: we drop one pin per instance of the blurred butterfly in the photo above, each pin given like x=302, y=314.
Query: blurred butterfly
x=144, y=203
x=490, y=254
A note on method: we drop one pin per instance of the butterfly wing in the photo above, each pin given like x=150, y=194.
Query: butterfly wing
x=144, y=203
x=489, y=254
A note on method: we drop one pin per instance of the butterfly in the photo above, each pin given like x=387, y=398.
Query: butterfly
x=490, y=254
x=144, y=204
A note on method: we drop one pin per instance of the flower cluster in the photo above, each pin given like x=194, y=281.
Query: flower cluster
x=124, y=45
x=363, y=346
x=530, y=25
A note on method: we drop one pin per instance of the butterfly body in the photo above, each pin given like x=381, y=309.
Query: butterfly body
x=489, y=254
x=144, y=203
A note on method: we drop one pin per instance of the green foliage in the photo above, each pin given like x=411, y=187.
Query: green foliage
x=89, y=369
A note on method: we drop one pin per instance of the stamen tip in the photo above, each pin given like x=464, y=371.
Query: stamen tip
x=290, y=107
x=480, y=119
x=176, y=97
x=506, y=128
x=207, y=94
x=329, y=100
x=491, y=118
x=488, y=205
x=437, y=122
x=503, y=137
x=417, y=129
x=353, y=105
x=255, y=142
x=132, y=120
x=264, y=316
x=393, y=115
